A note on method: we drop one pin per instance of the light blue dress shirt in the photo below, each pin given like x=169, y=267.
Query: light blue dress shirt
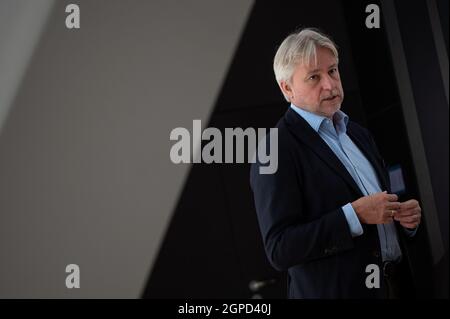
x=360, y=169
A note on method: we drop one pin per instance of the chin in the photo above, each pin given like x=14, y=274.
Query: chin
x=333, y=108
x=329, y=110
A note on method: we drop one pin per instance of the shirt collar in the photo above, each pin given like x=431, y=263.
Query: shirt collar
x=315, y=120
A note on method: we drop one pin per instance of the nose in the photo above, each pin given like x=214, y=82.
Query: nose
x=327, y=83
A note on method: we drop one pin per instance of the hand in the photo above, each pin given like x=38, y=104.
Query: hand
x=377, y=208
x=409, y=214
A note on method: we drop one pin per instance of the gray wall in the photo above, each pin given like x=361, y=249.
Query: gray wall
x=85, y=174
x=21, y=24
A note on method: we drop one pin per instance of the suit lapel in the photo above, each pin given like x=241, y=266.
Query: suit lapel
x=311, y=138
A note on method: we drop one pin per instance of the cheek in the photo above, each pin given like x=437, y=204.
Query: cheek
x=317, y=95
x=308, y=95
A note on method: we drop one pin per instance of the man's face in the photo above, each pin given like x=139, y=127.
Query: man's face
x=316, y=88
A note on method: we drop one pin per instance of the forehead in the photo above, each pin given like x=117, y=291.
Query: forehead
x=322, y=58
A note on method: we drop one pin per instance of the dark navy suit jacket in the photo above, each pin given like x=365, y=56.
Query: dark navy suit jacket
x=303, y=227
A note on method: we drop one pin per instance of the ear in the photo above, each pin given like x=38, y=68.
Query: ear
x=286, y=88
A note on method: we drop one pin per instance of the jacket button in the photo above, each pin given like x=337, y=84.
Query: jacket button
x=376, y=253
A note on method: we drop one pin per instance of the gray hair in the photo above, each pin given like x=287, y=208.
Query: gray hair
x=299, y=47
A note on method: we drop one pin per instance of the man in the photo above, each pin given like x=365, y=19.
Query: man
x=326, y=215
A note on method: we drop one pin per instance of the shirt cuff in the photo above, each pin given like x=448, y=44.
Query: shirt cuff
x=352, y=220
x=410, y=232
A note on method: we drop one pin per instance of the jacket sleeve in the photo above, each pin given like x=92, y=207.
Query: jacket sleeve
x=279, y=202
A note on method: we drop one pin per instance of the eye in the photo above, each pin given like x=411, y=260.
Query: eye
x=332, y=71
x=313, y=77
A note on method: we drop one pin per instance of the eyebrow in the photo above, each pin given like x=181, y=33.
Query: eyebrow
x=313, y=71
x=316, y=70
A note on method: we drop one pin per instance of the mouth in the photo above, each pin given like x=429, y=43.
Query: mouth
x=332, y=98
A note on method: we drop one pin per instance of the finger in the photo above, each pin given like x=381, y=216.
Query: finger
x=408, y=219
x=409, y=212
x=393, y=206
x=412, y=203
x=409, y=225
x=391, y=197
x=413, y=211
x=388, y=216
x=405, y=213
